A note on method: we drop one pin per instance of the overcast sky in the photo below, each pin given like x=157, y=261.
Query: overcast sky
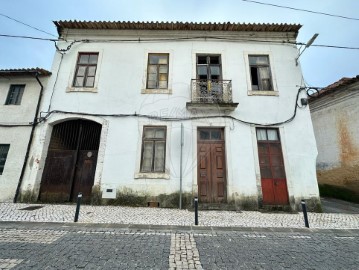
x=321, y=66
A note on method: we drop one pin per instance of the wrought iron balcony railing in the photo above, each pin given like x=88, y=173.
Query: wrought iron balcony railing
x=211, y=91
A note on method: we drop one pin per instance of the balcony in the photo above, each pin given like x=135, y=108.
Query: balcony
x=211, y=94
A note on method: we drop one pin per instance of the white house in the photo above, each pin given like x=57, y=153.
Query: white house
x=335, y=116
x=20, y=93
x=155, y=109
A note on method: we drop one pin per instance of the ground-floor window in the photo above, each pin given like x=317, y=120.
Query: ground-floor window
x=153, y=155
x=4, y=149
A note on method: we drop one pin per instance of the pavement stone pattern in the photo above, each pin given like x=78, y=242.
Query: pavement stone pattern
x=30, y=236
x=278, y=251
x=96, y=246
x=6, y=264
x=176, y=217
x=184, y=253
x=98, y=249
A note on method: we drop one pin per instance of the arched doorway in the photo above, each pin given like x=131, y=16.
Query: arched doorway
x=71, y=161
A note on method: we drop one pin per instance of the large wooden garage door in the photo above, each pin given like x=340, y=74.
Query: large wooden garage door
x=71, y=161
x=211, y=166
x=273, y=179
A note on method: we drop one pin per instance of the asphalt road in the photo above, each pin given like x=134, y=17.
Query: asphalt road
x=79, y=246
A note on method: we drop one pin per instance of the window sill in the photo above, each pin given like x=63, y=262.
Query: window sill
x=82, y=89
x=156, y=91
x=152, y=176
x=262, y=93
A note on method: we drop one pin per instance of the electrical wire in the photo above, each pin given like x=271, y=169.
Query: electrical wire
x=28, y=37
x=176, y=119
x=304, y=10
x=28, y=25
x=57, y=75
x=176, y=39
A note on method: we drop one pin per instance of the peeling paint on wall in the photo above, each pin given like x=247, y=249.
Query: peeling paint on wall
x=349, y=151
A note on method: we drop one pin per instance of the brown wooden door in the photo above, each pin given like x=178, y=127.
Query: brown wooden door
x=71, y=161
x=84, y=175
x=273, y=179
x=211, y=166
x=56, y=178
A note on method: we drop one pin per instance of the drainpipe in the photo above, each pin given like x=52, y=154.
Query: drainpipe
x=30, y=140
x=180, y=200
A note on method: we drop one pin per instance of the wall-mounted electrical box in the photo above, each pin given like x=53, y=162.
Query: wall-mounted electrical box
x=109, y=193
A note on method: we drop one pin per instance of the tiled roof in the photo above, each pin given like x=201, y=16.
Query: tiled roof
x=24, y=72
x=338, y=85
x=177, y=26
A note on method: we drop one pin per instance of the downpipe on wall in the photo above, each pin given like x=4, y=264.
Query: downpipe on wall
x=30, y=139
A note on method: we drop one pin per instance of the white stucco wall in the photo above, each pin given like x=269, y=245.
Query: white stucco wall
x=17, y=137
x=120, y=78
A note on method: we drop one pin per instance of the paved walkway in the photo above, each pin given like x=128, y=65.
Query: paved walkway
x=174, y=217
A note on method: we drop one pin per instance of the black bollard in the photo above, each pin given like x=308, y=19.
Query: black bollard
x=304, y=208
x=79, y=197
x=195, y=211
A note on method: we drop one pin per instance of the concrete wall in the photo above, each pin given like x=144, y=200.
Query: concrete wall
x=119, y=86
x=17, y=137
x=336, y=124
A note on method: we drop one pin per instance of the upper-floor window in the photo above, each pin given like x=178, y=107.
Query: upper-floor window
x=4, y=149
x=85, y=70
x=15, y=94
x=209, y=67
x=153, y=149
x=157, y=71
x=260, y=72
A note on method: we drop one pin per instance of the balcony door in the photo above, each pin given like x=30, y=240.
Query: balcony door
x=209, y=76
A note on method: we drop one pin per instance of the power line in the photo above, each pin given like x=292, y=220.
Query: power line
x=28, y=37
x=305, y=10
x=180, y=39
x=28, y=25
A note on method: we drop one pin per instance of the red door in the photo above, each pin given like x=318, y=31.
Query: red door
x=211, y=166
x=273, y=179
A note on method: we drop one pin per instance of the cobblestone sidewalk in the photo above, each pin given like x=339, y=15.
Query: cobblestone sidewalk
x=161, y=216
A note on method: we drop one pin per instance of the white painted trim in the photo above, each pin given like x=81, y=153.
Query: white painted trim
x=140, y=175
x=46, y=137
x=144, y=90
x=73, y=62
x=248, y=74
x=209, y=52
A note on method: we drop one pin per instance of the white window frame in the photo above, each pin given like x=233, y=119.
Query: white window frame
x=167, y=90
x=250, y=91
x=94, y=89
x=153, y=175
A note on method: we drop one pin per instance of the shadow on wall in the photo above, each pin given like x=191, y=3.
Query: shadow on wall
x=338, y=193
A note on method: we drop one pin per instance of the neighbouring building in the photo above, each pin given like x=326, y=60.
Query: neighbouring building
x=155, y=108
x=335, y=116
x=20, y=93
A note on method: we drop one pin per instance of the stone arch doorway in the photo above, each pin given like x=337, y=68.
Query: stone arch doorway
x=71, y=161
